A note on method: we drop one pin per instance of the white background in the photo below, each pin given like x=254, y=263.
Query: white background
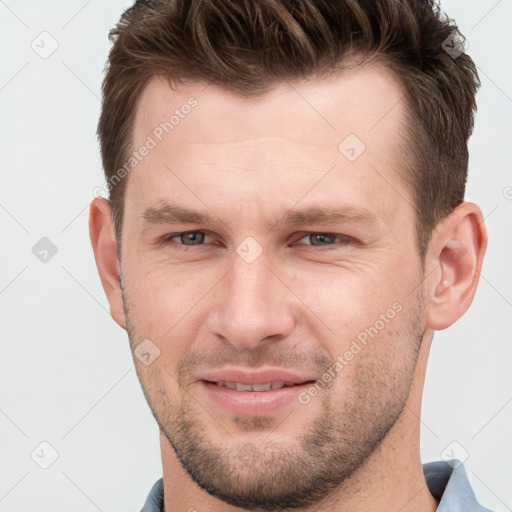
x=66, y=373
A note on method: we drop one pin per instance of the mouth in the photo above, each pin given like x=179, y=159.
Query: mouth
x=253, y=399
x=268, y=386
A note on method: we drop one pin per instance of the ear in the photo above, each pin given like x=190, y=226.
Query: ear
x=104, y=245
x=456, y=253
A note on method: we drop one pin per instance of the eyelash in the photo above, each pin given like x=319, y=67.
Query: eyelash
x=343, y=239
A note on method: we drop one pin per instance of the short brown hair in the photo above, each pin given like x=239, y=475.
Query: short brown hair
x=249, y=46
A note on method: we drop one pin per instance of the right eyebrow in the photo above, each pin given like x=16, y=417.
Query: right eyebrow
x=171, y=214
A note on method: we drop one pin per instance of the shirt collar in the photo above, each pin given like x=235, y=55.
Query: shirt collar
x=448, y=483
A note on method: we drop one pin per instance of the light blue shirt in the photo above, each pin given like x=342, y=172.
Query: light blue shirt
x=446, y=481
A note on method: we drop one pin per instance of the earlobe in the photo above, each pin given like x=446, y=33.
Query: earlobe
x=456, y=254
x=104, y=245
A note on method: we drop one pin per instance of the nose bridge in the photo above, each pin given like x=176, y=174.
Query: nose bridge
x=251, y=304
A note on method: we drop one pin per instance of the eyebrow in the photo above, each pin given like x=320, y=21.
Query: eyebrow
x=174, y=214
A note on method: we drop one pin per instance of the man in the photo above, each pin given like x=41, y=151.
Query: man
x=286, y=229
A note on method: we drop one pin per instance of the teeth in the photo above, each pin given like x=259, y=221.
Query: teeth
x=262, y=387
x=242, y=387
x=254, y=387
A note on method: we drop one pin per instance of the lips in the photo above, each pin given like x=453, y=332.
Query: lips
x=255, y=387
x=260, y=377
x=254, y=392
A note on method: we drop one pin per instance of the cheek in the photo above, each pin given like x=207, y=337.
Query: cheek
x=368, y=317
x=377, y=359
x=155, y=286
x=165, y=306
x=348, y=301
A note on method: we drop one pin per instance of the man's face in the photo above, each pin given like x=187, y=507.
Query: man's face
x=260, y=288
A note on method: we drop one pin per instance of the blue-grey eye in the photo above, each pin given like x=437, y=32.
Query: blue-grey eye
x=322, y=239
x=194, y=237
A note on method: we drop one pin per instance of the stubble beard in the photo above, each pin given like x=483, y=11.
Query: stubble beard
x=266, y=475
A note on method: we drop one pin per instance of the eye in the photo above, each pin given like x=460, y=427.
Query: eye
x=325, y=239
x=187, y=238
x=192, y=238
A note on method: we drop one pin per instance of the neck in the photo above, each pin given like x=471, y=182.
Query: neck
x=391, y=478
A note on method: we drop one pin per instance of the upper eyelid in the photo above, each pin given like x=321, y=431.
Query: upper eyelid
x=174, y=235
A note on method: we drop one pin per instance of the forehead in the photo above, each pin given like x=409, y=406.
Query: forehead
x=210, y=146
x=365, y=101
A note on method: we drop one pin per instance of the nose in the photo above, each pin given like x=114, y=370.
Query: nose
x=252, y=304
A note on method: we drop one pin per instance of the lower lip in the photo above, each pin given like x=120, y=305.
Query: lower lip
x=253, y=402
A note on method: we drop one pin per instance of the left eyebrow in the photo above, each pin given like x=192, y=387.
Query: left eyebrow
x=329, y=215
